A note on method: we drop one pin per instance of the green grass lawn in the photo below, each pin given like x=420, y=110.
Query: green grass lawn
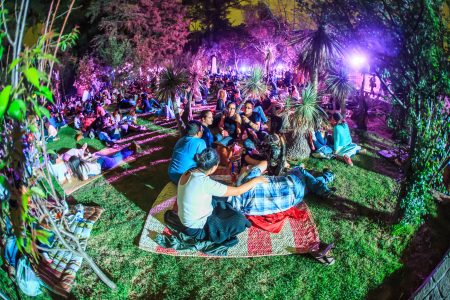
x=357, y=221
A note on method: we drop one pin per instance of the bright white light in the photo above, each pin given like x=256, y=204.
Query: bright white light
x=243, y=69
x=357, y=61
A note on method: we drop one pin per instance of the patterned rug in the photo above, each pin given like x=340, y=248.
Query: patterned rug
x=59, y=275
x=296, y=236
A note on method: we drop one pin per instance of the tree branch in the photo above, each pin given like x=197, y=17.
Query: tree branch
x=6, y=25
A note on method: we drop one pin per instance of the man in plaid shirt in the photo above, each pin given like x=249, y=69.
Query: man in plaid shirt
x=281, y=192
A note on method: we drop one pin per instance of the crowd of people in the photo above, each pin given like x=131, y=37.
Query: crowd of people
x=245, y=136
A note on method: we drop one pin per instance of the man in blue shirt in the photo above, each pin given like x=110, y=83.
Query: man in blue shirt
x=185, y=150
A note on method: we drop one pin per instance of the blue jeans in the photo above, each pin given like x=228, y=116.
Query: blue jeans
x=103, y=136
x=260, y=111
x=315, y=185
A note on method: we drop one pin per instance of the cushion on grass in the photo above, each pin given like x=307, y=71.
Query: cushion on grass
x=59, y=275
x=296, y=236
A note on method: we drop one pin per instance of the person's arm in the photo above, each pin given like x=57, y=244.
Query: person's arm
x=252, y=125
x=238, y=190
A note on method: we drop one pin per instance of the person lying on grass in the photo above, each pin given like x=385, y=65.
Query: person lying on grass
x=202, y=214
x=280, y=193
x=84, y=169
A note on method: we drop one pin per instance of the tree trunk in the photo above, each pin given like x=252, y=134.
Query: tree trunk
x=187, y=113
x=177, y=115
x=342, y=104
x=298, y=147
x=315, y=80
x=362, y=113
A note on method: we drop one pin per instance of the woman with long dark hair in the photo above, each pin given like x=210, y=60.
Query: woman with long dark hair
x=272, y=149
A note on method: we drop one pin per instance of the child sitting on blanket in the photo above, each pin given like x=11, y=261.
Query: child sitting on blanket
x=84, y=169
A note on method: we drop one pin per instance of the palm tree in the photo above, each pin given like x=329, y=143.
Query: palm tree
x=304, y=117
x=339, y=85
x=254, y=85
x=171, y=81
x=318, y=50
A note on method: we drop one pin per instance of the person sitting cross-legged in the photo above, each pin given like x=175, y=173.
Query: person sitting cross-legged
x=343, y=146
x=202, y=214
x=185, y=150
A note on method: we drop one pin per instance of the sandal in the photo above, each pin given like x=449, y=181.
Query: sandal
x=323, y=256
x=326, y=260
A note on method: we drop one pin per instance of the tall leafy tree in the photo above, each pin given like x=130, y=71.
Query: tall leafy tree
x=319, y=49
x=147, y=32
x=211, y=16
x=340, y=86
x=171, y=82
x=305, y=117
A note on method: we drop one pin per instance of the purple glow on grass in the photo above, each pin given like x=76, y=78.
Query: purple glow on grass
x=126, y=173
x=143, y=153
x=134, y=137
x=151, y=139
x=133, y=171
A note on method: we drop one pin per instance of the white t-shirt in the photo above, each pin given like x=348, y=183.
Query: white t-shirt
x=195, y=197
x=90, y=170
x=52, y=132
x=59, y=170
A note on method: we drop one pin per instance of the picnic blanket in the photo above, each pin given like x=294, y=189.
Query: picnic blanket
x=296, y=236
x=59, y=275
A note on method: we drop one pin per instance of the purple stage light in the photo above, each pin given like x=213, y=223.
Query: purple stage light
x=358, y=60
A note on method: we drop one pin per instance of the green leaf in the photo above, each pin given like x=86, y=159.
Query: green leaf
x=38, y=191
x=25, y=201
x=17, y=110
x=3, y=180
x=32, y=75
x=48, y=57
x=33, y=128
x=47, y=93
x=44, y=236
x=4, y=98
x=44, y=111
x=2, y=165
x=13, y=64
